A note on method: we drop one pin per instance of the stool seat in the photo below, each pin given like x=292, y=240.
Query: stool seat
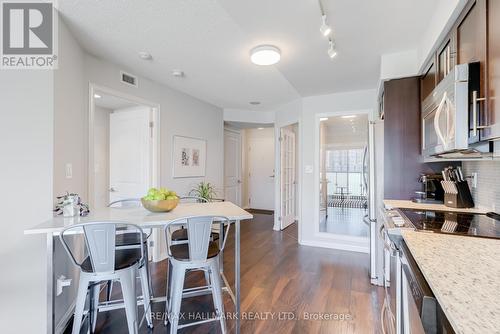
x=181, y=252
x=182, y=235
x=124, y=258
x=129, y=239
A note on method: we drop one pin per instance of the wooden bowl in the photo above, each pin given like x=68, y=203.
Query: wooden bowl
x=160, y=205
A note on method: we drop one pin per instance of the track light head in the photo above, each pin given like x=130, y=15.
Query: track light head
x=325, y=29
x=332, y=51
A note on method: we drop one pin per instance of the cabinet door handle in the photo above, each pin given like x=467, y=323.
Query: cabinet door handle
x=475, y=100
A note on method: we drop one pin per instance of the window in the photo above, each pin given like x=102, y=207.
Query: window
x=344, y=170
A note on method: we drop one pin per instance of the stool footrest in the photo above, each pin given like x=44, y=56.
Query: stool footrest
x=199, y=322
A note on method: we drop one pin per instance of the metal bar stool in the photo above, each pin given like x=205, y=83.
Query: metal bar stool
x=126, y=240
x=105, y=262
x=199, y=253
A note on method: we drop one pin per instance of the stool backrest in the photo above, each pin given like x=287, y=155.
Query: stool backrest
x=99, y=242
x=192, y=199
x=199, y=230
x=126, y=203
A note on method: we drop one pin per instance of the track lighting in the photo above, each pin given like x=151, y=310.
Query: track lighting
x=325, y=29
x=332, y=51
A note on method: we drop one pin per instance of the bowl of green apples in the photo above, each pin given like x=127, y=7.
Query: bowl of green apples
x=160, y=200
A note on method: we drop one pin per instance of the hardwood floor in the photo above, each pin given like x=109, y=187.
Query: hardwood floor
x=286, y=288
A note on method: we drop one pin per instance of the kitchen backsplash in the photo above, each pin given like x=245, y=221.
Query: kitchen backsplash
x=487, y=193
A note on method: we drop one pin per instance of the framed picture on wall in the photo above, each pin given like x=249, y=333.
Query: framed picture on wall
x=189, y=157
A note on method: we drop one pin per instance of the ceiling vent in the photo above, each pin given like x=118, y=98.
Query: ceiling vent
x=128, y=79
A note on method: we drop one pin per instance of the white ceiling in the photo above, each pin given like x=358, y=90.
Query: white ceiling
x=210, y=41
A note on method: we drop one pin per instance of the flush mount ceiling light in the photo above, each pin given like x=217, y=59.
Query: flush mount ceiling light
x=349, y=116
x=322, y=119
x=332, y=51
x=145, y=55
x=260, y=128
x=265, y=55
x=97, y=96
x=325, y=29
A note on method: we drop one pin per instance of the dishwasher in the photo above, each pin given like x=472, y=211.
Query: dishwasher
x=421, y=311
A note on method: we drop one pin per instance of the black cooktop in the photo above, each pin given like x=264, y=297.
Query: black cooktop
x=478, y=225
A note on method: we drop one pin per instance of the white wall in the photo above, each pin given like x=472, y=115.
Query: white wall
x=26, y=167
x=101, y=156
x=70, y=142
x=313, y=107
x=248, y=116
x=180, y=114
x=399, y=65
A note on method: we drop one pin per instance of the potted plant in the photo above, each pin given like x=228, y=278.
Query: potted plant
x=204, y=190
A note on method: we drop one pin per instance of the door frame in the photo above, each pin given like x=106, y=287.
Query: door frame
x=343, y=240
x=155, y=147
x=240, y=160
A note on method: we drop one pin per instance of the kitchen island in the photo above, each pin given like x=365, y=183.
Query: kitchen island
x=147, y=220
x=463, y=273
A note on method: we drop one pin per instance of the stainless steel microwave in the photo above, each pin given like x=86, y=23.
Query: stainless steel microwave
x=450, y=118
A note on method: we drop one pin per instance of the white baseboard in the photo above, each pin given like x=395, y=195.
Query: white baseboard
x=336, y=245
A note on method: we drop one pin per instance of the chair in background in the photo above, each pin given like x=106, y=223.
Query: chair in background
x=199, y=253
x=105, y=262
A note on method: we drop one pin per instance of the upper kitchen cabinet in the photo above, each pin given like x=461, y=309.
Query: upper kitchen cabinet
x=493, y=12
x=446, y=57
x=472, y=45
x=428, y=80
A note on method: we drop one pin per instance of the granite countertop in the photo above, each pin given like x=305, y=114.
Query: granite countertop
x=464, y=275
x=405, y=204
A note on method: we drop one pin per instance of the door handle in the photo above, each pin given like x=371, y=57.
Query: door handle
x=239, y=181
x=112, y=190
x=271, y=175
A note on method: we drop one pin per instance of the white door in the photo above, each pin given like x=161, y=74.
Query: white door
x=232, y=167
x=129, y=153
x=261, y=169
x=288, y=182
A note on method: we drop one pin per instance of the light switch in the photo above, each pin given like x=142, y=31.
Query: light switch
x=69, y=171
x=308, y=169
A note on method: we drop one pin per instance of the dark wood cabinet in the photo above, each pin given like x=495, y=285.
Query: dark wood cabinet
x=472, y=47
x=446, y=57
x=428, y=80
x=493, y=61
x=403, y=161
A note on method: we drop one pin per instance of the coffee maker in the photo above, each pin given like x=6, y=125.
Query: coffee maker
x=432, y=191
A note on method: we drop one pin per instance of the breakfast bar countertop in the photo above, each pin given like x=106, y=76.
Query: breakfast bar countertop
x=463, y=273
x=406, y=204
x=142, y=217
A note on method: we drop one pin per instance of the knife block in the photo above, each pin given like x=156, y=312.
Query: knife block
x=457, y=194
